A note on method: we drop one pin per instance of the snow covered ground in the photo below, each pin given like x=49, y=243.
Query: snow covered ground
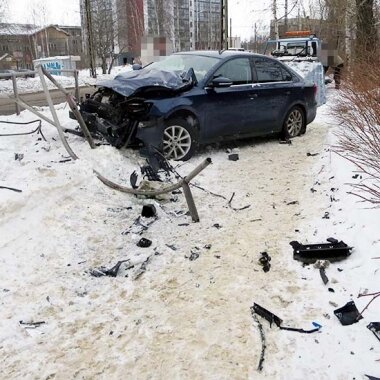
x=26, y=85
x=181, y=319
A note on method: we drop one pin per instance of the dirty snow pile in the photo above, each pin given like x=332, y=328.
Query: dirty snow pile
x=180, y=308
x=27, y=85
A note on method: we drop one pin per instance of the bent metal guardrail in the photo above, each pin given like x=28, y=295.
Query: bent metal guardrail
x=27, y=73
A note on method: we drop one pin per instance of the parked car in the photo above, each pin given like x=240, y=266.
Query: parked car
x=194, y=98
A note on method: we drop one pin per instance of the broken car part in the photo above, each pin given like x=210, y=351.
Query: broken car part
x=322, y=273
x=348, y=314
x=112, y=272
x=272, y=318
x=264, y=260
x=375, y=328
x=233, y=157
x=144, y=243
x=333, y=251
x=31, y=325
x=149, y=211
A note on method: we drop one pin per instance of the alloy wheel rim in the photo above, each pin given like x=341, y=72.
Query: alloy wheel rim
x=176, y=141
x=294, y=123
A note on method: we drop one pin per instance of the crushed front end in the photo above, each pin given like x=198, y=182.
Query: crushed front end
x=114, y=116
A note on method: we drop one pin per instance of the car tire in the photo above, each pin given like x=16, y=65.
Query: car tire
x=179, y=140
x=294, y=123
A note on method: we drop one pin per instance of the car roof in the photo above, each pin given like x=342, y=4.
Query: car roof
x=220, y=53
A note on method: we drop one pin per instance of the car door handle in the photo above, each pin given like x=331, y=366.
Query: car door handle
x=253, y=96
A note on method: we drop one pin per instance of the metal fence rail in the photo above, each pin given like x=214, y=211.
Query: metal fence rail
x=13, y=76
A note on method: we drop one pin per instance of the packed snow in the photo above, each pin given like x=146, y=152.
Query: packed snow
x=181, y=319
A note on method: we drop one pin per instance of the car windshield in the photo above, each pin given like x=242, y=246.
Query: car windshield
x=183, y=62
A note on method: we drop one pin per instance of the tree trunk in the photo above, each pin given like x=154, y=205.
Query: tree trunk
x=104, y=65
x=366, y=30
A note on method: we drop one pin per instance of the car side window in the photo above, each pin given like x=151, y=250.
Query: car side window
x=238, y=70
x=268, y=71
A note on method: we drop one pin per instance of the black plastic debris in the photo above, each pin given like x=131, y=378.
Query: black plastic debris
x=144, y=243
x=133, y=180
x=348, y=314
x=19, y=156
x=31, y=325
x=272, y=318
x=171, y=246
x=217, y=226
x=264, y=260
x=112, y=272
x=194, y=256
x=233, y=157
x=326, y=215
x=375, y=328
x=266, y=314
x=311, y=154
x=292, y=203
x=150, y=174
x=149, y=211
x=333, y=251
x=286, y=141
x=322, y=273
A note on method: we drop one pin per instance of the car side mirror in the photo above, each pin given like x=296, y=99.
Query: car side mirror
x=136, y=66
x=220, y=82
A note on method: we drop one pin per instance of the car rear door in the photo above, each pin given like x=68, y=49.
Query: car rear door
x=273, y=92
x=229, y=109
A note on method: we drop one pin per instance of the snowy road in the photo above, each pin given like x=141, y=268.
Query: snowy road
x=181, y=319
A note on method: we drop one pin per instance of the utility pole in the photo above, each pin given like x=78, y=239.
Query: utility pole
x=90, y=39
x=224, y=24
x=256, y=38
x=286, y=15
x=230, y=44
x=274, y=11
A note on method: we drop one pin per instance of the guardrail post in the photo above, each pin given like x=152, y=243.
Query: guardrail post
x=15, y=91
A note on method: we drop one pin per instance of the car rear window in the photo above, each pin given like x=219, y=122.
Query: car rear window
x=270, y=71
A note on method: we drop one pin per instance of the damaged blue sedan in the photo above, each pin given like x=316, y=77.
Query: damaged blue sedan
x=194, y=98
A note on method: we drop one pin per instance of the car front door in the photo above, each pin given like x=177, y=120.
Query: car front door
x=229, y=109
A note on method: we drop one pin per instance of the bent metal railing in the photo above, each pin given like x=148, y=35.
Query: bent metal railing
x=24, y=74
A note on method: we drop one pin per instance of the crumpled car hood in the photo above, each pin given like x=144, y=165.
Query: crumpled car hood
x=147, y=80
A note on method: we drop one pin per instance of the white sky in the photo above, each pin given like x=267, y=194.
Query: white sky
x=244, y=13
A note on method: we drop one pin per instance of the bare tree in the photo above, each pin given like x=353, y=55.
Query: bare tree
x=366, y=36
x=3, y=9
x=104, y=30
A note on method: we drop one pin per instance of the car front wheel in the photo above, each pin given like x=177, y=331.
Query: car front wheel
x=294, y=123
x=179, y=140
